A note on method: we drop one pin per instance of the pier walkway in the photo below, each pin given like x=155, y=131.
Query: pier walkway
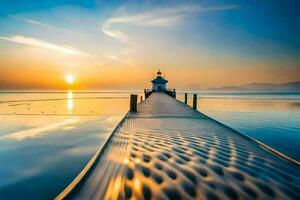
x=167, y=150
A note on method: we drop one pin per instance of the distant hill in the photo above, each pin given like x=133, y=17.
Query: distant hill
x=290, y=86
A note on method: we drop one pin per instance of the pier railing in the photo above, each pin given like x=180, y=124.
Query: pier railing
x=169, y=91
x=147, y=92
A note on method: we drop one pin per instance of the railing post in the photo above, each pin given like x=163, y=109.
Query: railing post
x=195, y=102
x=185, y=98
x=133, y=103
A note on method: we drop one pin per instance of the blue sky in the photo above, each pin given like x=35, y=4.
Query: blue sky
x=257, y=39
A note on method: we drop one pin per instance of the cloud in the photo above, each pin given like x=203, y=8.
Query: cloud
x=157, y=18
x=66, y=49
x=115, y=34
x=33, y=22
x=38, y=23
x=127, y=61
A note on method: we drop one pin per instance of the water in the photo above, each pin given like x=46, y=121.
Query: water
x=46, y=138
x=272, y=118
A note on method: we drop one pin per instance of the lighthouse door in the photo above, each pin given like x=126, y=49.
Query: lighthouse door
x=159, y=89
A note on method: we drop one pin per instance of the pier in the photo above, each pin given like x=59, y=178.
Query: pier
x=168, y=150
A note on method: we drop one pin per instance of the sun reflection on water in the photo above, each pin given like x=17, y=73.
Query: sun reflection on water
x=70, y=101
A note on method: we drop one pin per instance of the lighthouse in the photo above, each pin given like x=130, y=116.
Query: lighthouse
x=159, y=83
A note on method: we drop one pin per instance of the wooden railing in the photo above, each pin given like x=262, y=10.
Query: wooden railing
x=169, y=91
x=147, y=92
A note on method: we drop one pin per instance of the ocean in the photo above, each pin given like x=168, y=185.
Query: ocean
x=46, y=138
x=272, y=118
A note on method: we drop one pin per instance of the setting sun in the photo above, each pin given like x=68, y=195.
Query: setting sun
x=69, y=78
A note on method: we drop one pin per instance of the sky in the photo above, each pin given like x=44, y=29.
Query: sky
x=111, y=45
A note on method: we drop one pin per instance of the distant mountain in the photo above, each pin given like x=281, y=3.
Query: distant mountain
x=192, y=87
x=290, y=86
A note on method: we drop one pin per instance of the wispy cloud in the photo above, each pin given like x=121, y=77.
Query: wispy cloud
x=157, y=18
x=127, y=61
x=38, y=23
x=31, y=21
x=66, y=49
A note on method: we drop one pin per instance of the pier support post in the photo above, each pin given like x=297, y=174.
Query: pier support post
x=185, y=98
x=133, y=103
x=195, y=102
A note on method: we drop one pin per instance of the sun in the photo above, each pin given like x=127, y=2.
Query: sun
x=69, y=78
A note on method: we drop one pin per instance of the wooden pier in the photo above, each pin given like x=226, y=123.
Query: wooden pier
x=168, y=150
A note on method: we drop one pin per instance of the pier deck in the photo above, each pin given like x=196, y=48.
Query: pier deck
x=167, y=150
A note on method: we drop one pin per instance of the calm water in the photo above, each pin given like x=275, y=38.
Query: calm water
x=47, y=138
x=272, y=118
